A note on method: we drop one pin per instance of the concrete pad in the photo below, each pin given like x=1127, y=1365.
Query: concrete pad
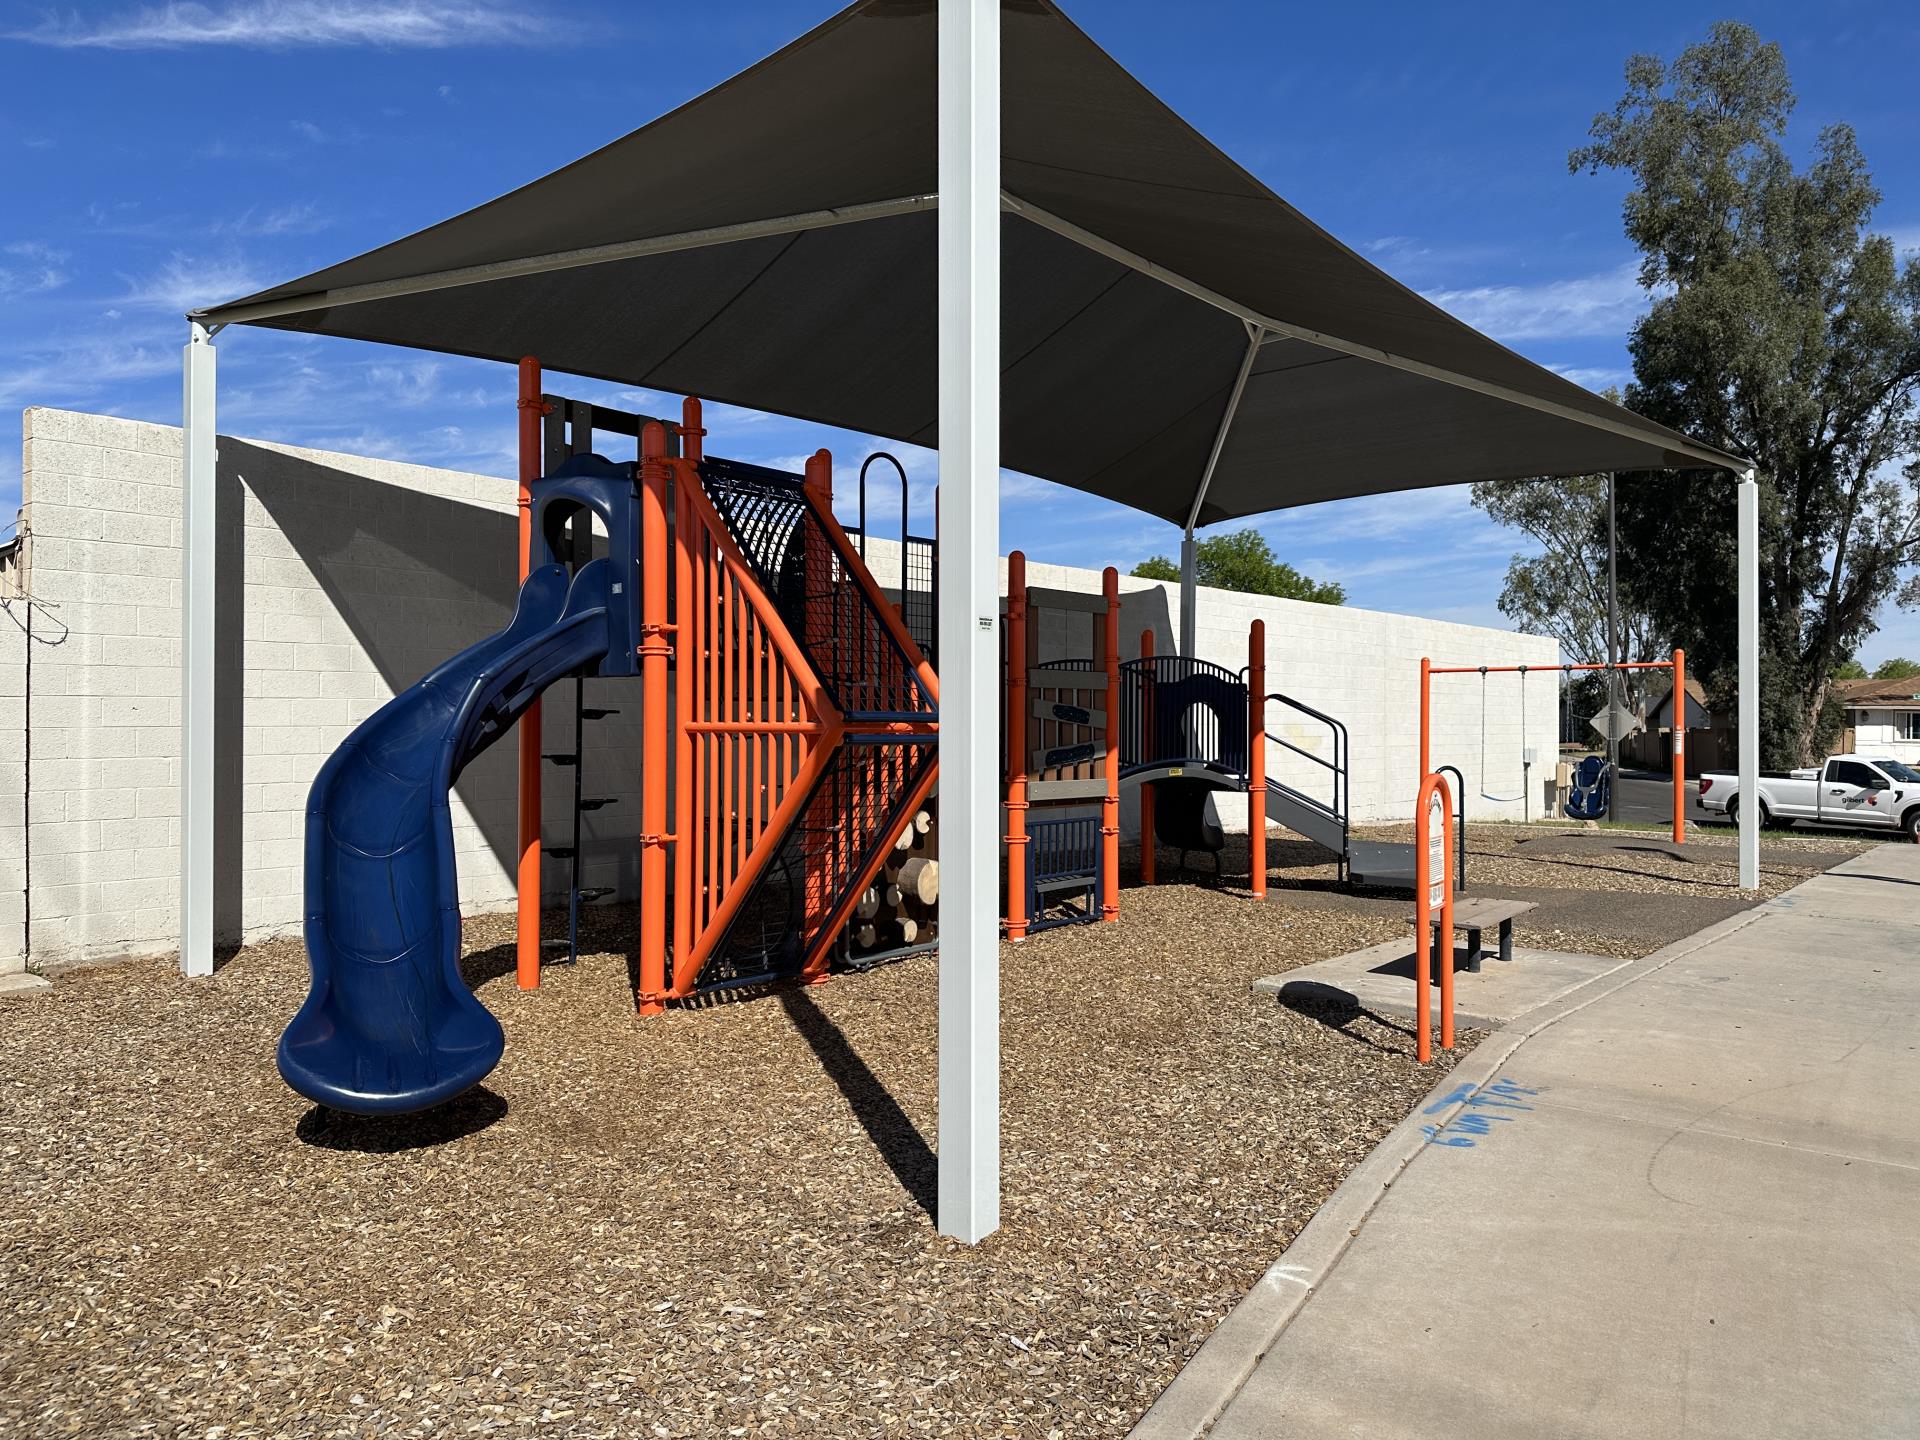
x=21, y=983
x=1631, y=1281
x=1683, y=1200
x=1379, y=979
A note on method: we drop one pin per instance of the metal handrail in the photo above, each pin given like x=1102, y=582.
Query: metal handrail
x=1459, y=826
x=1338, y=765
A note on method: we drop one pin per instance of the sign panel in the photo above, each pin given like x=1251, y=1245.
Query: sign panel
x=1616, y=722
x=1436, y=852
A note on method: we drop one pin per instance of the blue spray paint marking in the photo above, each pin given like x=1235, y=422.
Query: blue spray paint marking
x=1464, y=1130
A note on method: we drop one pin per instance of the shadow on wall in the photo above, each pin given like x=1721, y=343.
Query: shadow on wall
x=416, y=577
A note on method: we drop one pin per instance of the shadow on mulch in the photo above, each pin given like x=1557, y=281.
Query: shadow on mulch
x=466, y=1115
x=893, y=1133
x=1337, y=1009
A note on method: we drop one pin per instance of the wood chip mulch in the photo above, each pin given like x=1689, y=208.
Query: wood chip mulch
x=710, y=1224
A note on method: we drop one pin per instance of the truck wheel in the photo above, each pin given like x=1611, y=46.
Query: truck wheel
x=1766, y=815
x=1910, y=822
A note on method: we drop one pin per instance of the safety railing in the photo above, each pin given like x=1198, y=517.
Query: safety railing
x=1176, y=710
x=1459, y=825
x=1337, y=767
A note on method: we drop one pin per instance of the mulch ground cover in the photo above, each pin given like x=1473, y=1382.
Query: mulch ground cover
x=714, y=1223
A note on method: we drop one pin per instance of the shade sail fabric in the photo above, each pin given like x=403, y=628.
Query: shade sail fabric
x=1114, y=381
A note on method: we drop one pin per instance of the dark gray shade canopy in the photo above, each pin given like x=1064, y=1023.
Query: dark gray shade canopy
x=1138, y=260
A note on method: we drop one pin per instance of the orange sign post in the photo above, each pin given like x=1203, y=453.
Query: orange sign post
x=1432, y=891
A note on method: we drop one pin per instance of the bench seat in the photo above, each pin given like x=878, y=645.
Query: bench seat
x=1474, y=914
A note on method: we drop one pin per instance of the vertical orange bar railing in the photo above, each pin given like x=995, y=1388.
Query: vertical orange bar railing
x=1679, y=747
x=1432, y=872
x=526, y=960
x=654, y=650
x=1110, y=806
x=818, y=483
x=1148, y=844
x=1017, y=746
x=1257, y=758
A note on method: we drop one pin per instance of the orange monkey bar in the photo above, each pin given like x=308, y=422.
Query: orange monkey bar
x=1678, y=665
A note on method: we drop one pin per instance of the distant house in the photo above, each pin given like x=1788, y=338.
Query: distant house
x=1883, y=717
x=1709, y=737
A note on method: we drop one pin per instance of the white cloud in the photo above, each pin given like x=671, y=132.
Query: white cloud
x=33, y=268
x=286, y=24
x=1606, y=303
x=1593, y=377
x=300, y=219
x=187, y=282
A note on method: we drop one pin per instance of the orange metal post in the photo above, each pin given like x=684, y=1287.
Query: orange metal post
x=1446, y=911
x=1257, y=758
x=1148, y=844
x=1432, y=787
x=818, y=483
x=1016, y=746
x=654, y=649
x=526, y=964
x=1679, y=747
x=1110, y=808
x=1426, y=702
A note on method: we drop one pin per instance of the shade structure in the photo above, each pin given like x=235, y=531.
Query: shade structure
x=772, y=244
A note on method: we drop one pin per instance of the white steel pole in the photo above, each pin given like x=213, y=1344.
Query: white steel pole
x=197, y=546
x=969, y=340
x=1189, y=590
x=1748, y=559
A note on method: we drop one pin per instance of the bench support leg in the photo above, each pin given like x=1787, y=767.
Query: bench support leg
x=1473, y=951
x=1506, y=941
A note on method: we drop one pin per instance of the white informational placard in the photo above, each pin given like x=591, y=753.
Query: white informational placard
x=1436, y=851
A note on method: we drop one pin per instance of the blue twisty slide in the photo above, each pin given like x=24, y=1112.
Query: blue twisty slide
x=389, y=1025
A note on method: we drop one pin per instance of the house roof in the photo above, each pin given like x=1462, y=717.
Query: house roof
x=772, y=243
x=1870, y=691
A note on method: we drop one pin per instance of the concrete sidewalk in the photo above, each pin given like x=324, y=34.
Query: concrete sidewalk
x=1685, y=1202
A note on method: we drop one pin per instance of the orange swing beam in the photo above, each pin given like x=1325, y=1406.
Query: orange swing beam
x=1678, y=665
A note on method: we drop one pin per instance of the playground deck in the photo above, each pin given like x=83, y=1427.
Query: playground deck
x=707, y=1224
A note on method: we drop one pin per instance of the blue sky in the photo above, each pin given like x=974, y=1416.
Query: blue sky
x=162, y=156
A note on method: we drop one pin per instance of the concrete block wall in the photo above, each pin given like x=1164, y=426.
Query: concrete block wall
x=348, y=578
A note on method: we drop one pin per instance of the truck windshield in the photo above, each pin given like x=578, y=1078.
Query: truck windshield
x=1905, y=774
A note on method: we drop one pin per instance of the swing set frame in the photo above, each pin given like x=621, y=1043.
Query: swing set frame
x=1677, y=665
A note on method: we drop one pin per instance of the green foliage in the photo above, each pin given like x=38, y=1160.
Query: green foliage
x=1780, y=329
x=1850, y=669
x=1898, y=668
x=1562, y=591
x=1243, y=560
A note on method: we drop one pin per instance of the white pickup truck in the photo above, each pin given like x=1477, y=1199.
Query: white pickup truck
x=1864, y=790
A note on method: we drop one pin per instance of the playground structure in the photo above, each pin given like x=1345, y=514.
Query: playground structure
x=787, y=751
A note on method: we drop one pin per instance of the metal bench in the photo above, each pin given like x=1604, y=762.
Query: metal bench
x=1476, y=915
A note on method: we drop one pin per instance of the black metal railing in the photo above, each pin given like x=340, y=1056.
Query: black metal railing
x=1337, y=767
x=1175, y=710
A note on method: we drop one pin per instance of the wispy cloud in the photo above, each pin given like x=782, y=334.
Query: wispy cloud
x=298, y=219
x=1606, y=303
x=290, y=24
x=185, y=282
x=1594, y=377
x=31, y=268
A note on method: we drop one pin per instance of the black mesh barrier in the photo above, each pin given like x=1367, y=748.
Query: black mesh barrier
x=866, y=669
x=860, y=801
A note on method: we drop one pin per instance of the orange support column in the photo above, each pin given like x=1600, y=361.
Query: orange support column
x=1016, y=746
x=818, y=482
x=1257, y=758
x=1148, y=844
x=1426, y=711
x=1679, y=747
x=1110, y=807
x=654, y=650
x=526, y=962
x=1432, y=871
